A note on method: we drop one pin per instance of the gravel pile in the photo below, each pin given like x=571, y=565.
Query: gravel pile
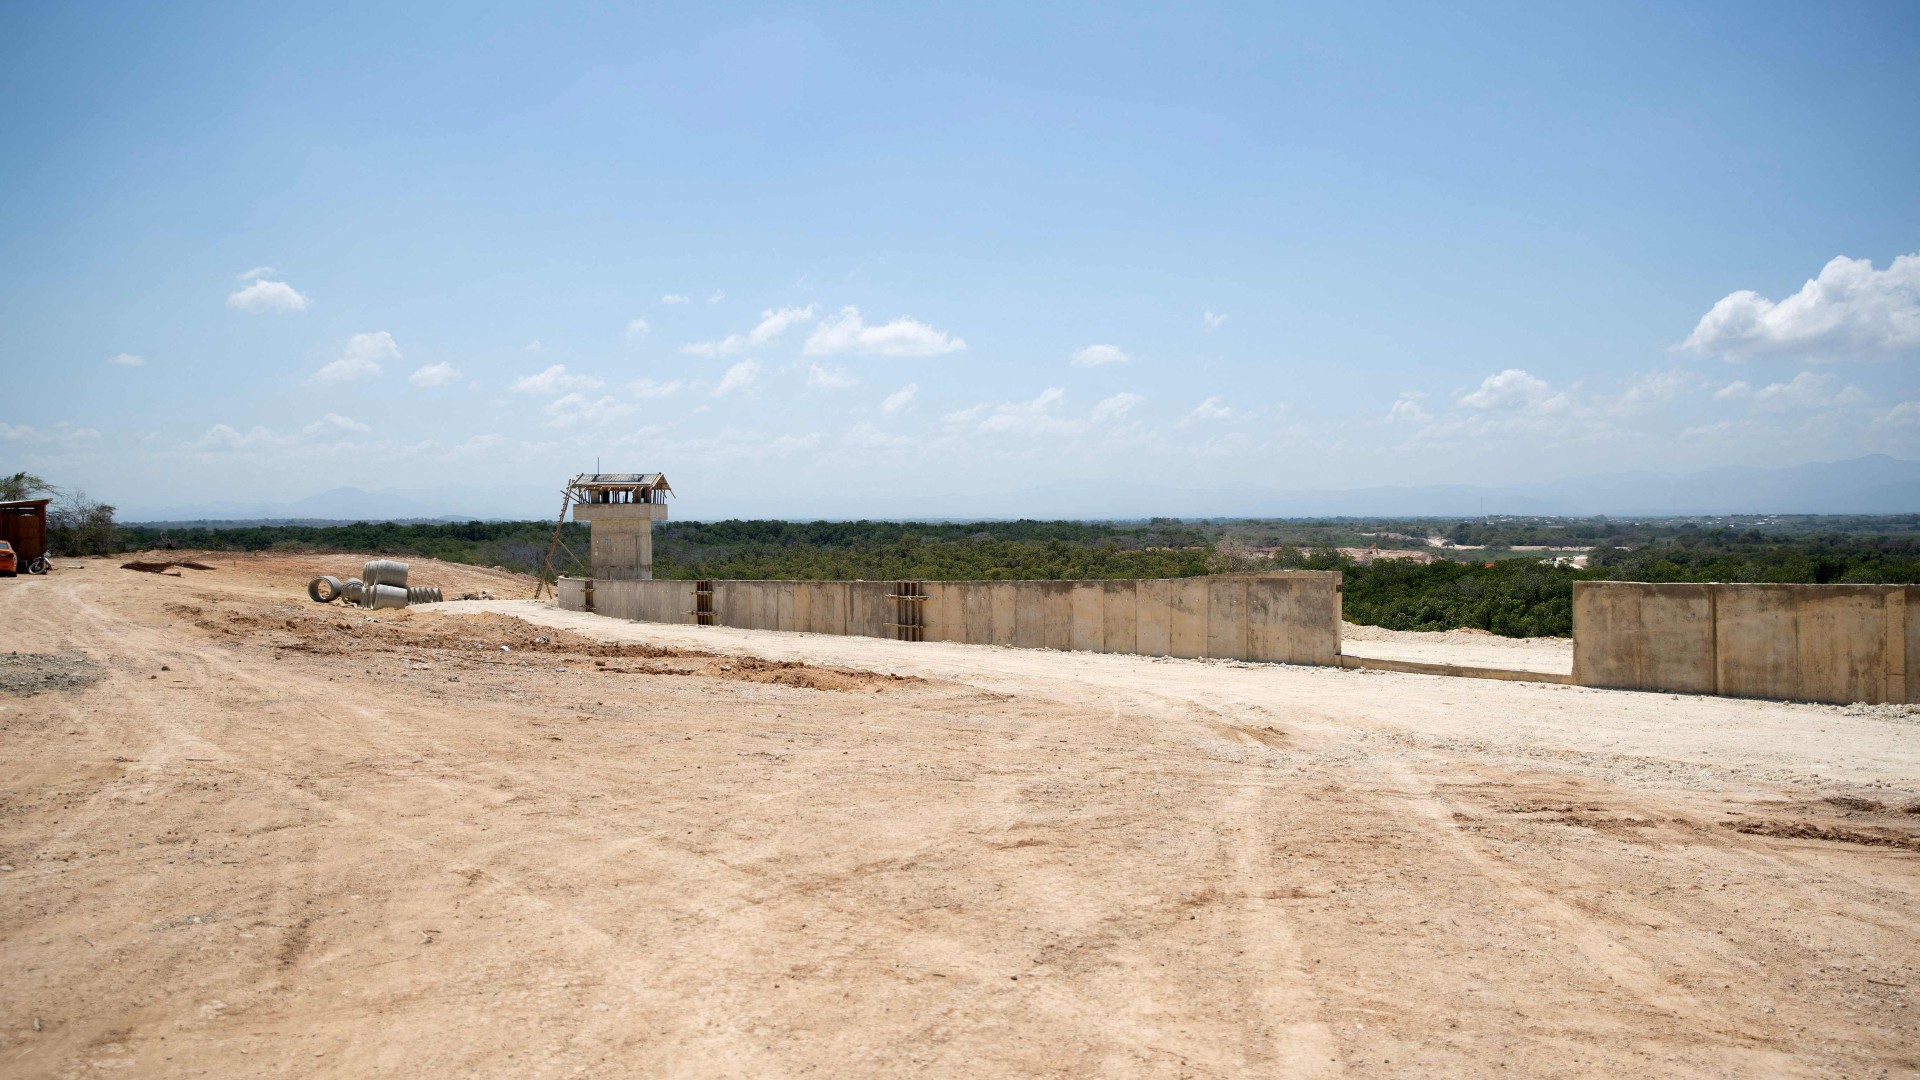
x=26, y=674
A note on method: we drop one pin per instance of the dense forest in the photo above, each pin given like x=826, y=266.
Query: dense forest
x=1499, y=575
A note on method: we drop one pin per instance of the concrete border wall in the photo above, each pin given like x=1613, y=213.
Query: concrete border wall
x=1287, y=617
x=637, y=599
x=1832, y=643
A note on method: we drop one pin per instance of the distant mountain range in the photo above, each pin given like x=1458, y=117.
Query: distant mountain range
x=1877, y=484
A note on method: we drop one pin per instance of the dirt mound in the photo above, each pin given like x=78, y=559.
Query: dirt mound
x=805, y=676
x=488, y=638
x=161, y=567
x=1806, y=830
x=27, y=674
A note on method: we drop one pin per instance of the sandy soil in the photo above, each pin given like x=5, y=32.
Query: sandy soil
x=245, y=835
x=1473, y=648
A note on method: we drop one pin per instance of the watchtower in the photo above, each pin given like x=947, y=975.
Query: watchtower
x=620, y=509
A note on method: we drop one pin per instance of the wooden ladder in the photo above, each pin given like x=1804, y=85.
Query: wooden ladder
x=546, y=570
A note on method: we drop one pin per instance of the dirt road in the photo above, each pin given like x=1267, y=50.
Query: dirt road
x=245, y=835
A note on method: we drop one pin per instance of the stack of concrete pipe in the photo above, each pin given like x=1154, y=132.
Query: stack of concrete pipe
x=382, y=584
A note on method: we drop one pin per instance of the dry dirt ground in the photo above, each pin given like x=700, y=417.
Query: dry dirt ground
x=242, y=834
x=1473, y=648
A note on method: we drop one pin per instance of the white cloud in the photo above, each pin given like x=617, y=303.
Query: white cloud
x=829, y=378
x=637, y=328
x=224, y=437
x=1658, y=388
x=1408, y=410
x=1212, y=321
x=434, y=375
x=361, y=359
x=1734, y=391
x=61, y=435
x=846, y=333
x=1517, y=391
x=1096, y=355
x=256, y=273
x=1025, y=415
x=126, y=359
x=1806, y=391
x=264, y=296
x=895, y=403
x=674, y=298
x=554, y=380
x=738, y=377
x=868, y=437
x=1214, y=408
x=1231, y=445
x=1043, y=415
x=1717, y=430
x=1849, y=312
x=1514, y=403
x=333, y=424
x=772, y=324
x=716, y=297
x=478, y=444
x=1905, y=414
x=577, y=409
x=648, y=388
x=1115, y=407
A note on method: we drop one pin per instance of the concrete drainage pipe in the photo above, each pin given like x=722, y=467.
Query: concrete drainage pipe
x=384, y=596
x=353, y=590
x=384, y=572
x=422, y=594
x=324, y=590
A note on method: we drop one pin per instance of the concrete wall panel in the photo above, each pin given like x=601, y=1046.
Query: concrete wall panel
x=1643, y=637
x=1056, y=613
x=1188, y=624
x=1294, y=618
x=1003, y=603
x=1843, y=642
x=803, y=597
x=644, y=601
x=1029, y=616
x=1271, y=613
x=1088, y=631
x=976, y=605
x=1227, y=617
x=572, y=593
x=820, y=607
x=780, y=604
x=1153, y=613
x=868, y=609
x=1910, y=617
x=945, y=612
x=1757, y=653
x=1119, y=616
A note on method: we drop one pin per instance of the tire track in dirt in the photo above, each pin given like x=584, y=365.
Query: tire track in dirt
x=253, y=753
x=1616, y=961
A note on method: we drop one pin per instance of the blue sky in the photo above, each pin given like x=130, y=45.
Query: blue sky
x=813, y=259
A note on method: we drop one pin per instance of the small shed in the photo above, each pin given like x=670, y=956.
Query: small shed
x=24, y=525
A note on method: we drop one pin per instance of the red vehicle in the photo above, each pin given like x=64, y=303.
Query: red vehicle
x=9, y=562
